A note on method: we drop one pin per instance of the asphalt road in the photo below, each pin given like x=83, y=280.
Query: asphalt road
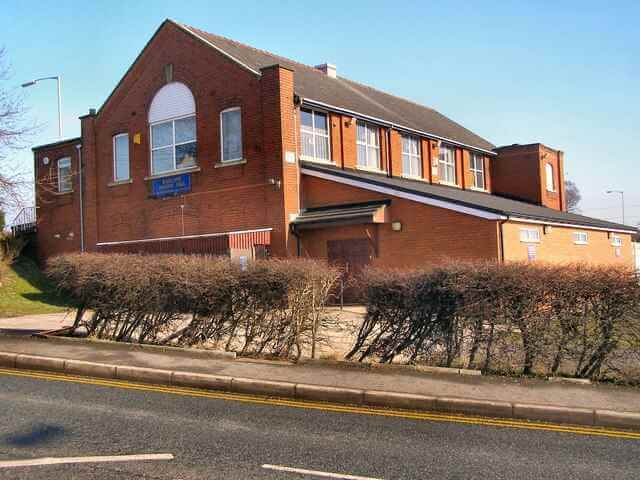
x=227, y=439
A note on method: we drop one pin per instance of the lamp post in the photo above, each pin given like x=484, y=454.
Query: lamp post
x=621, y=192
x=58, y=80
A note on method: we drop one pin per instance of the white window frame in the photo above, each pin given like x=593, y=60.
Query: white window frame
x=410, y=157
x=366, y=146
x=616, y=241
x=115, y=163
x=580, y=238
x=316, y=133
x=70, y=176
x=477, y=172
x=530, y=235
x=222, y=159
x=443, y=164
x=549, y=177
x=174, y=144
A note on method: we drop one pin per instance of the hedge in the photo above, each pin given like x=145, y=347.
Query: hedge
x=274, y=307
x=579, y=320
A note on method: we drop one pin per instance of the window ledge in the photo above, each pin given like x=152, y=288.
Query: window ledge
x=120, y=182
x=581, y=243
x=60, y=194
x=369, y=169
x=529, y=241
x=449, y=184
x=476, y=189
x=317, y=160
x=230, y=163
x=173, y=173
x=413, y=177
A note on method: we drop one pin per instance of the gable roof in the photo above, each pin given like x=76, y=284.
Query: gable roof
x=481, y=204
x=313, y=85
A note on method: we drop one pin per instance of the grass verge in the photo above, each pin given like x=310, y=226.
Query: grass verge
x=24, y=290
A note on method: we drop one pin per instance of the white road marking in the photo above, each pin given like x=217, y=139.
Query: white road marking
x=316, y=473
x=64, y=460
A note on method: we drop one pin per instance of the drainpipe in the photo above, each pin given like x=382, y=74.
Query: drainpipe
x=501, y=235
x=79, y=149
x=298, y=242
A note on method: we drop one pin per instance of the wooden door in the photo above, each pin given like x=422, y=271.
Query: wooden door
x=351, y=256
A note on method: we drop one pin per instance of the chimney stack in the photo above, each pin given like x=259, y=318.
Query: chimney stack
x=328, y=69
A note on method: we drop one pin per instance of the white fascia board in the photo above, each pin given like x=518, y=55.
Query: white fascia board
x=185, y=237
x=405, y=195
x=569, y=225
x=315, y=103
x=231, y=57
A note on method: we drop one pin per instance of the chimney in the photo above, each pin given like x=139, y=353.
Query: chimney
x=328, y=69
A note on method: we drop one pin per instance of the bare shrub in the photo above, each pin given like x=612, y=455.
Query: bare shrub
x=274, y=307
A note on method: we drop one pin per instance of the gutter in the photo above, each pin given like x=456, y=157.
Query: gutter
x=315, y=103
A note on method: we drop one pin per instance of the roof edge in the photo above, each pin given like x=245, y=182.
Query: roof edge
x=56, y=144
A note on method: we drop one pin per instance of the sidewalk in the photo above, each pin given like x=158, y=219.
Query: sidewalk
x=36, y=323
x=529, y=391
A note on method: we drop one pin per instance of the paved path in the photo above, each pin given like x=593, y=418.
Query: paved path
x=488, y=388
x=216, y=438
x=36, y=323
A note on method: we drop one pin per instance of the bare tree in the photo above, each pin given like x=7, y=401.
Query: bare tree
x=573, y=196
x=14, y=132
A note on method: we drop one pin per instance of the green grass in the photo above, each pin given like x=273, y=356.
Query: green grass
x=24, y=290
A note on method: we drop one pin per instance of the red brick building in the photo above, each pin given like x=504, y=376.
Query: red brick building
x=208, y=145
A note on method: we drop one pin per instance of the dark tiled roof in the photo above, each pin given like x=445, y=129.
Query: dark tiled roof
x=469, y=198
x=342, y=214
x=59, y=142
x=340, y=92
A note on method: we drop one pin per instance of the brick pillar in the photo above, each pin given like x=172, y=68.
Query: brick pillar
x=279, y=141
x=349, y=147
x=396, y=154
x=90, y=191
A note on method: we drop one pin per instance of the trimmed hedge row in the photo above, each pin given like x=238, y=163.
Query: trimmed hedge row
x=579, y=320
x=271, y=307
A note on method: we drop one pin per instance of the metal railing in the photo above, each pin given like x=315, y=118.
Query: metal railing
x=24, y=221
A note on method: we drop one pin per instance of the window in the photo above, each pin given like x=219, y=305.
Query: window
x=477, y=170
x=231, y=134
x=368, y=141
x=616, y=241
x=314, y=134
x=411, y=161
x=447, y=164
x=121, y=157
x=580, y=238
x=530, y=235
x=65, y=183
x=172, y=122
x=548, y=170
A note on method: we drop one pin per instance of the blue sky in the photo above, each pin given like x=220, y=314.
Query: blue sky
x=561, y=73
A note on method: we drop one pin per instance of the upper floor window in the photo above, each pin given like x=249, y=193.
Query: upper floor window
x=548, y=171
x=477, y=170
x=314, y=135
x=368, y=141
x=172, y=121
x=231, y=132
x=411, y=161
x=580, y=238
x=447, y=164
x=121, y=157
x=530, y=235
x=65, y=183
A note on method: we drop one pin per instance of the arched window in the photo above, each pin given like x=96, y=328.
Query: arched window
x=172, y=124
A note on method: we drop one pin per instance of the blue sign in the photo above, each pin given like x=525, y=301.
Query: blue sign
x=171, y=186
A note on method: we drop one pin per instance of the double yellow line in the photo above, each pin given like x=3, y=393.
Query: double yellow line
x=327, y=407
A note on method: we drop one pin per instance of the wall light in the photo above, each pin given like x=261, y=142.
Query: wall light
x=396, y=226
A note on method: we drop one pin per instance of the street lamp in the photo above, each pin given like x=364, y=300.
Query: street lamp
x=58, y=80
x=621, y=192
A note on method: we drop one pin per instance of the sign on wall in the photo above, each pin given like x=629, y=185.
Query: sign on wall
x=171, y=186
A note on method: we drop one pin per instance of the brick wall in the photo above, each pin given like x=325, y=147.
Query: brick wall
x=58, y=214
x=429, y=234
x=223, y=198
x=519, y=172
x=557, y=246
